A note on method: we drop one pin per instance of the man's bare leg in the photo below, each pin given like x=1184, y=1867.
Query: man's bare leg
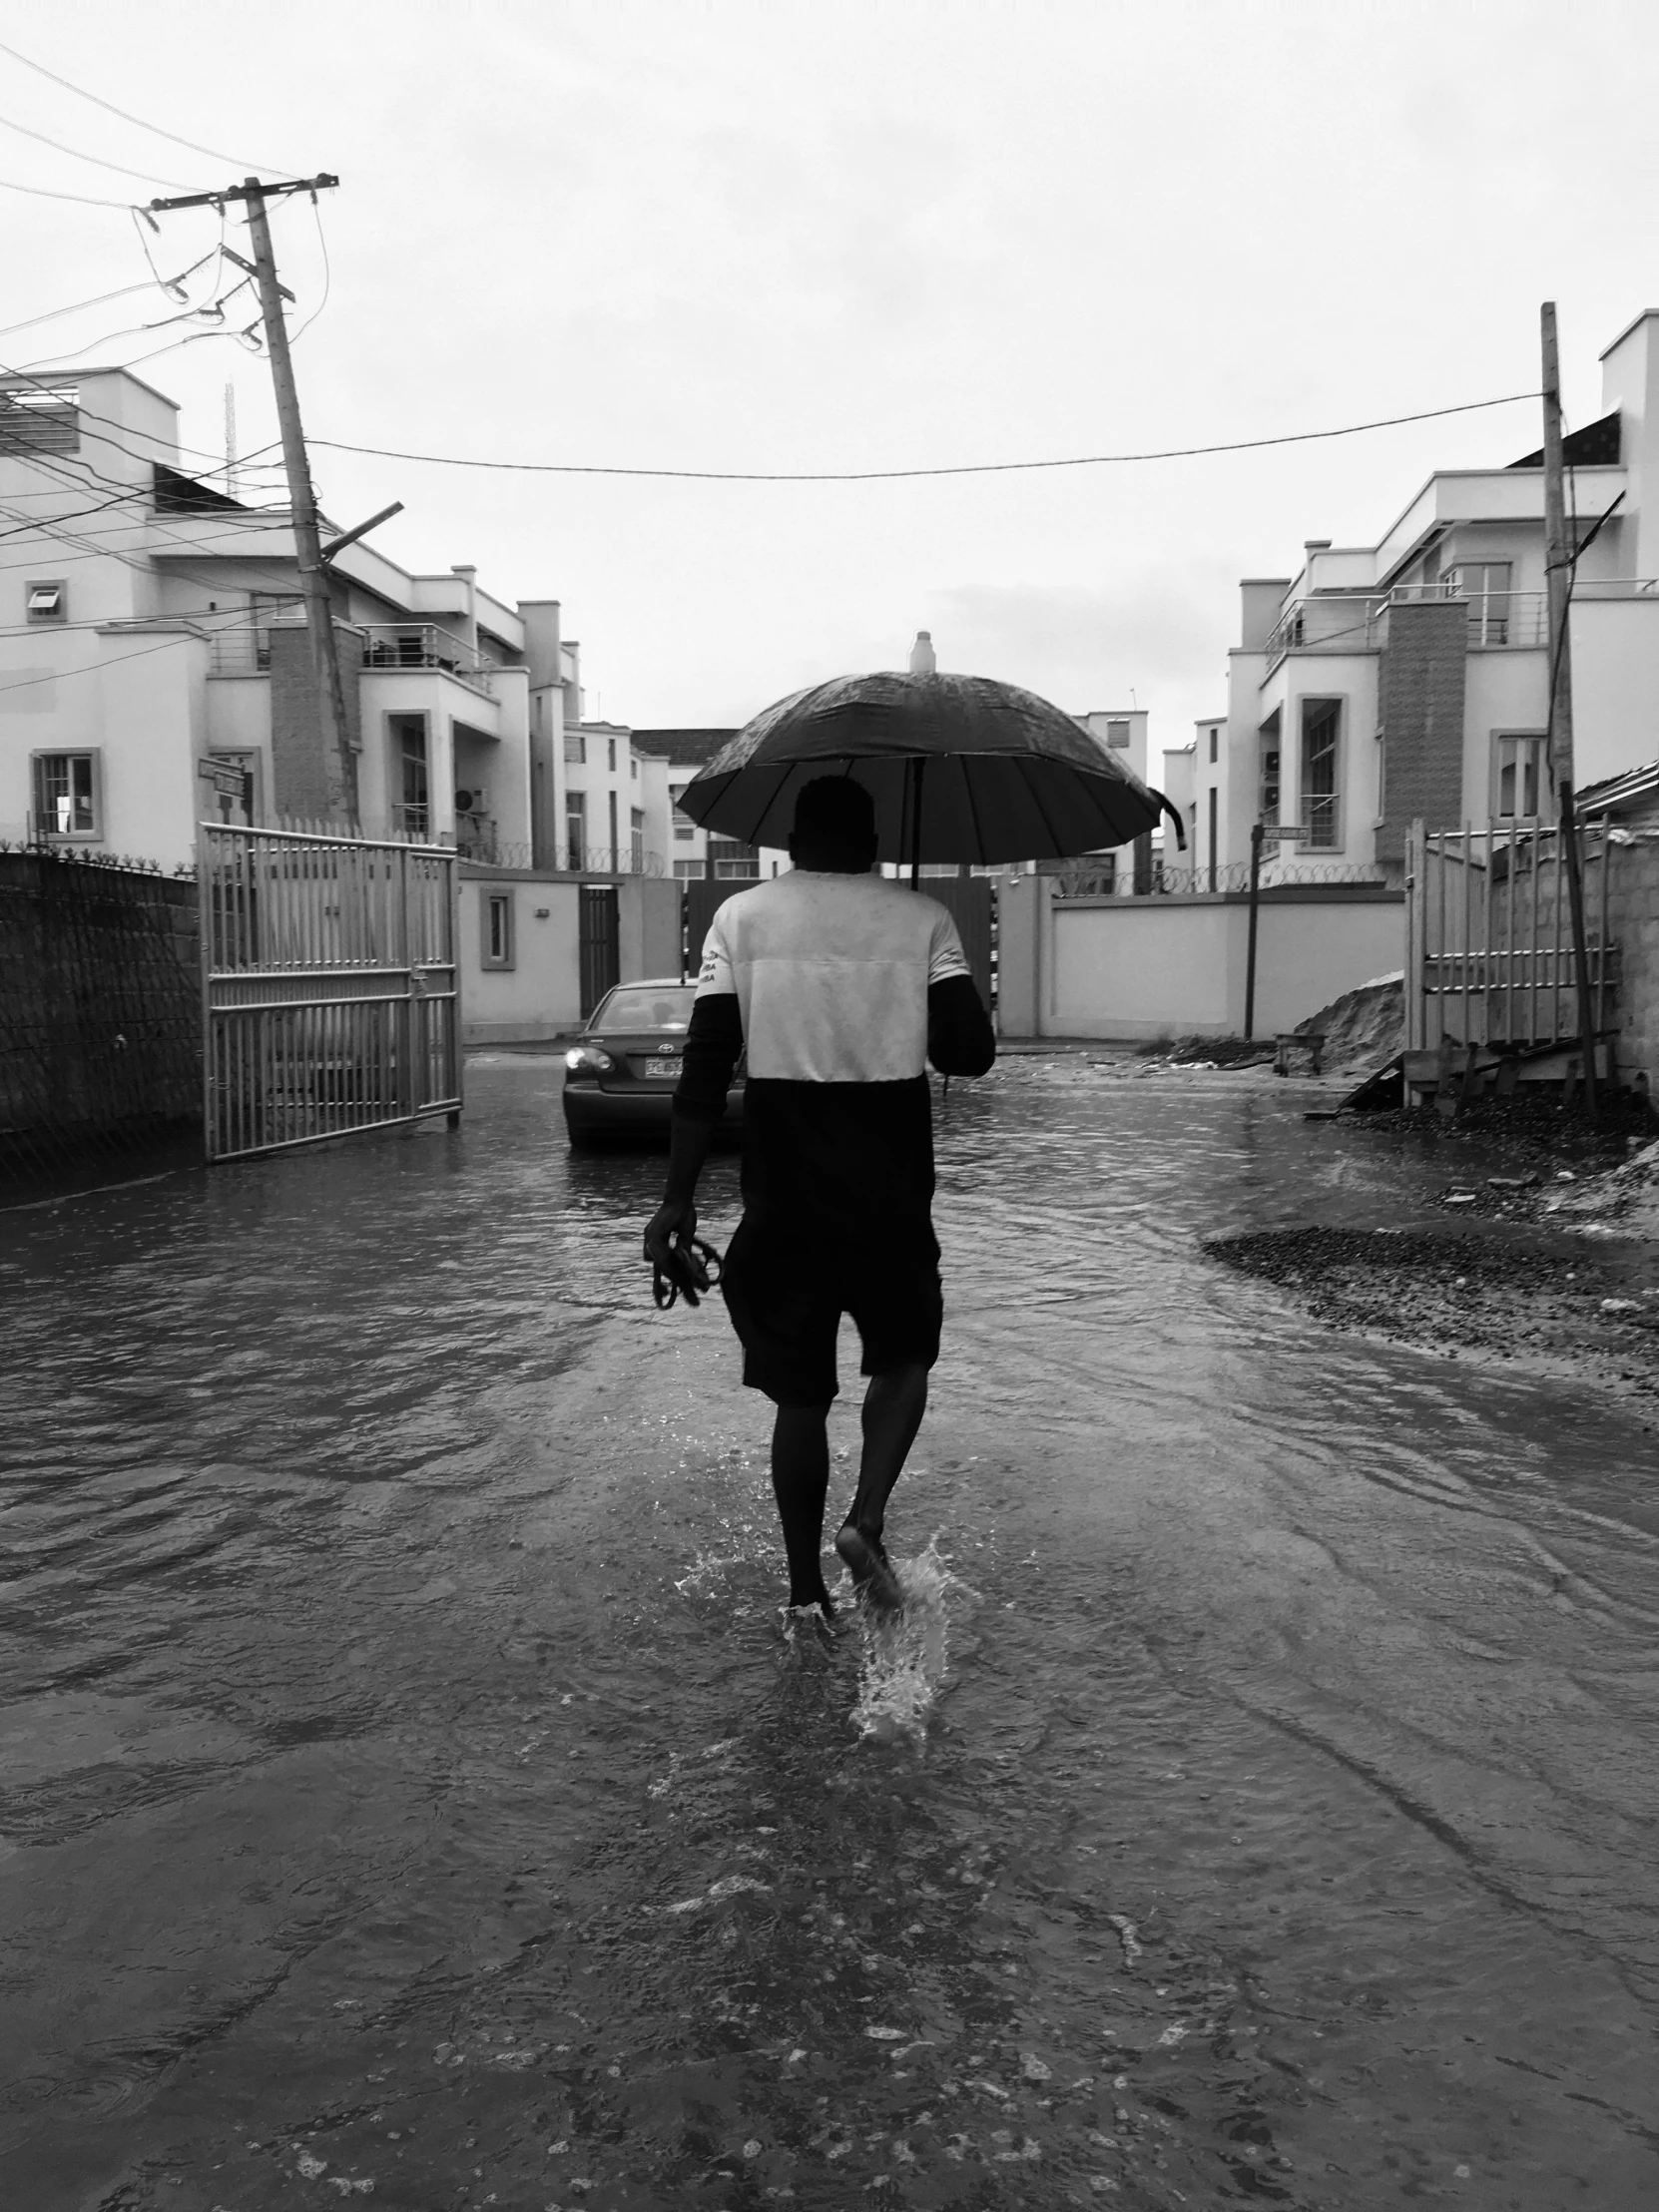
x=894, y=1407
x=801, y=1482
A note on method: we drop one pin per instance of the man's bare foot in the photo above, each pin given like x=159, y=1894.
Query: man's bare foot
x=867, y=1562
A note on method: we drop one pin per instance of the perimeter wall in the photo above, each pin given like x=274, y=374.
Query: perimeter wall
x=1140, y=969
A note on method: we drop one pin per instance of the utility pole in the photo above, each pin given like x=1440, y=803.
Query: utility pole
x=313, y=575
x=1558, y=558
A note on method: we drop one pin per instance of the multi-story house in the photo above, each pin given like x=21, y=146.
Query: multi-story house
x=1409, y=679
x=152, y=637
x=698, y=855
x=616, y=802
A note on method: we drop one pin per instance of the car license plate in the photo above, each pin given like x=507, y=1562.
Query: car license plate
x=665, y=1070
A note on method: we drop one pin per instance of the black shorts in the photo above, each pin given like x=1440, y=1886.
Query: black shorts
x=787, y=1295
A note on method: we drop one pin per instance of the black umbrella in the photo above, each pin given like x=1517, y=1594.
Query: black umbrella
x=961, y=768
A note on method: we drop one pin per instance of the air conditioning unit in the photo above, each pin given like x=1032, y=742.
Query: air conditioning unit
x=474, y=802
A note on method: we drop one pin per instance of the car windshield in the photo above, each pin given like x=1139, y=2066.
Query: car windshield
x=644, y=1006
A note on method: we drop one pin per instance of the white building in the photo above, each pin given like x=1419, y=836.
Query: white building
x=1409, y=678
x=150, y=629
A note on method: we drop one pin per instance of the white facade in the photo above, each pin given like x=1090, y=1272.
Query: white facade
x=149, y=626
x=1353, y=706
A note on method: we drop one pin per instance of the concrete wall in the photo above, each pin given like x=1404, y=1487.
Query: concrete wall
x=1162, y=967
x=1633, y=921
x=540, y=995
x=1615, y=686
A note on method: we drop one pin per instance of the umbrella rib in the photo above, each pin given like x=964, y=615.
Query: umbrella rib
x=973, y=805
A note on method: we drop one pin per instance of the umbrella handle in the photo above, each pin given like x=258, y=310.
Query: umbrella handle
x=917, y=767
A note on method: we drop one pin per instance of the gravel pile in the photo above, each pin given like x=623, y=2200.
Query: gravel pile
x=1540, y=1301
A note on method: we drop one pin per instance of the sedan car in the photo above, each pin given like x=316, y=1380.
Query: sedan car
x=621, y=1070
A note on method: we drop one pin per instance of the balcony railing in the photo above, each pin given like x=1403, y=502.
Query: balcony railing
x=387, y=646
x=423, y=645
x=1356, y=621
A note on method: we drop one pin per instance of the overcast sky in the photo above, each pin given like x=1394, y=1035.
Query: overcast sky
x=760, y=234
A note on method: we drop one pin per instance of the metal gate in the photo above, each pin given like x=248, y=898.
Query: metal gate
x=1488, y=935
x=329, y=996
x=599, y=943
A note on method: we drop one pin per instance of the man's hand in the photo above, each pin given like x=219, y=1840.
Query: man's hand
x=668, y=1236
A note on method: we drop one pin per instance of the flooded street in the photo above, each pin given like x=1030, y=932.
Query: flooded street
x=406, y=1787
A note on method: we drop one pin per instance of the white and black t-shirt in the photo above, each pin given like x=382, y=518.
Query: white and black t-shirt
x=841, y=987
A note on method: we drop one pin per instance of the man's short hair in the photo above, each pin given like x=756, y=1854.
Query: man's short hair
x=833, y=810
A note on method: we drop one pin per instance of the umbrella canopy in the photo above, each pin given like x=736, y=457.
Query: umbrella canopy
x=960, y=768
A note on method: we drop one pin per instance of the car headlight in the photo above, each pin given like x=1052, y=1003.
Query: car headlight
x=587, y=1059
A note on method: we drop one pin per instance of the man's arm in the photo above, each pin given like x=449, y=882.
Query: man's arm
x=961, y=1039
x=712, y=1044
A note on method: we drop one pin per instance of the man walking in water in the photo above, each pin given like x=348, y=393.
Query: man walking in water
x=842, y=986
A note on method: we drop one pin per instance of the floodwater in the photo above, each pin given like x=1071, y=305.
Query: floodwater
x=407, y=1788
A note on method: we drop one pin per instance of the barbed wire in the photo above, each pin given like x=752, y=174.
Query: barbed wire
x=1096, y=882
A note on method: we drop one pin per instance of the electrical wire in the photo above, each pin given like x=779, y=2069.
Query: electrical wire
x=39, y=192
x=136, y=330
x=110, y=108
x=124, y=292
x=328, y=276
x=93, y=667
x=890, y=475
x=89, y=414
x=96, y=160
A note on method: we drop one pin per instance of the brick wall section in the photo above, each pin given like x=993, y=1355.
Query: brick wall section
x=1420, y=703
x=306, y=785
x=100, y=1006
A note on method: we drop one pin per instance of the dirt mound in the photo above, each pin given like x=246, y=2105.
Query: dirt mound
x=1362, y=1028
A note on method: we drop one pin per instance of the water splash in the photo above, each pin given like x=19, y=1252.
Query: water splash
x=903, y=1663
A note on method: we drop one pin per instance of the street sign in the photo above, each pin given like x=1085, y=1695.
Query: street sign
x=227, y=778
x=1296, y=831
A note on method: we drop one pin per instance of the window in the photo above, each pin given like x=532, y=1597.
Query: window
x=1321, y=721
x=496, y=947
x=616, y=844
x=688, y=872
x=1213, y=737
x=576, y=830
x=576, y=745
x=610, y=748
x=66, y=795
x=636, y=842
x=684, y=826
x=1486, y=585
x=1266, y=795
x=40, y=419
x=411, y=800
x=733, y=861
x=46, y=603
x=633, y=769
x=1519, y=779
x=1117, y=735
x=1213, y=856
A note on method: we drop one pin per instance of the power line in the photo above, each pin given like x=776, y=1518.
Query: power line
x=124, y=292
x=890, y=475
x=110, y=108
x=75, y=154
x=95, y=668
x=39, y=192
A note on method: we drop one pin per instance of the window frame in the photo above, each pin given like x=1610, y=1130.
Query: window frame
x=94, y=756
x=1537, y=742
x=493, y=903
x=1336, y=841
